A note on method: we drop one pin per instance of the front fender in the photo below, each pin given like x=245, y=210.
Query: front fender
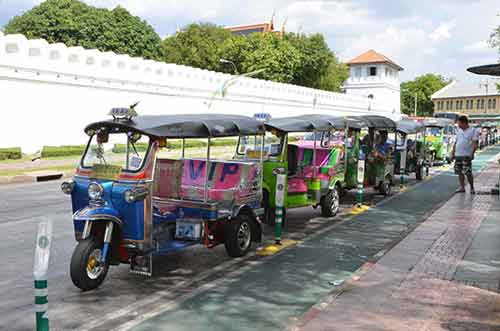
x=93, y=214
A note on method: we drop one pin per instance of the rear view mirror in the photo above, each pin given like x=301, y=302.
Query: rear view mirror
x=102, y=136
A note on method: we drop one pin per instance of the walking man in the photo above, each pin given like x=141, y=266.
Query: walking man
x=463, y=153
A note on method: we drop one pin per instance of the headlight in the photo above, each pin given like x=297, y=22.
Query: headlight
x=95, y=191
x=135, y=194
x=67, y=187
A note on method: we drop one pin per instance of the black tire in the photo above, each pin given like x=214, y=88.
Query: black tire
x=330, y=203
x=238, y=236
x=80, y=260
x=385, y=188
x=419, y=172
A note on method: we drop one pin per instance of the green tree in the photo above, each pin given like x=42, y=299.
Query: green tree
x=315, y=58
x=74, y=23
x=197, y=45
x=267, y=50
x=335, y=76
x=423, y=87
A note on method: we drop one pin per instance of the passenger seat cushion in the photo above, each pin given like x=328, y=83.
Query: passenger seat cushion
x=168, y=178
x=296, y=186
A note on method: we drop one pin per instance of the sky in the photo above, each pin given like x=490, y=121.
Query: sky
x=425, y=36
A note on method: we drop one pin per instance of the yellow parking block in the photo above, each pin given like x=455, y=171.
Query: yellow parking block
x=358, y=210
x=274, y=248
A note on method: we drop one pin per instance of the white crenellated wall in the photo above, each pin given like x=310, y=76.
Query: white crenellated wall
x=49, y=92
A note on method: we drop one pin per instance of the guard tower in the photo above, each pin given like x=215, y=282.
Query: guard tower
x=375, y=76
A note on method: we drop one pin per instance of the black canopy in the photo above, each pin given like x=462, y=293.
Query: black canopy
x=408, y=126
x=437, y=122
x=488, y=69
x=185, y=126
x=311, y=122
x=377, y=122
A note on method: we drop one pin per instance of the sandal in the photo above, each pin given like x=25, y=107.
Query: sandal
x=460, y=190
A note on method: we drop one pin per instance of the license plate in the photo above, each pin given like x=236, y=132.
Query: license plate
x=188, y=230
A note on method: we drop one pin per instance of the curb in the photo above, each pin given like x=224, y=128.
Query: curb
x=35, y=177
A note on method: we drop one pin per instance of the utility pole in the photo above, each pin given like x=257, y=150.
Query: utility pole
x=415, y=104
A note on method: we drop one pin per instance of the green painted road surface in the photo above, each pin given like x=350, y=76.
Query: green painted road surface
x=267, y=295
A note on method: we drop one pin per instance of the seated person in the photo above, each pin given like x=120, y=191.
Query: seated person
x=382, y=146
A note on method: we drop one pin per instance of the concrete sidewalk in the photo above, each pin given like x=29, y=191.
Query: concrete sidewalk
x=268, y=294
x=443, y=276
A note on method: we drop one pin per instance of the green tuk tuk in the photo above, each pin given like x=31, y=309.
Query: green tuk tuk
x=311, y=169
x=410, y=148
x=439, y=139
x=373, y=156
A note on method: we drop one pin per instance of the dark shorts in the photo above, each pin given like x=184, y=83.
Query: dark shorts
x=463, y=165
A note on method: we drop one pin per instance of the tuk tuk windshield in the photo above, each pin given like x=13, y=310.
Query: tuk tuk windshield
x=250, y=146
x=116, y=149
x=433, y=131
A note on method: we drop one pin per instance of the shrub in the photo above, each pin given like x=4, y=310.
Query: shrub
x=11, y=153
x=52, y=151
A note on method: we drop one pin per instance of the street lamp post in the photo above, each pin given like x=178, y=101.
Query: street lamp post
x=224, y=61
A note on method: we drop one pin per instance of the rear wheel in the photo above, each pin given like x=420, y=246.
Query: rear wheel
x=385, y=187
x=85, y=270
x=238, y=236
x=330, y=203
x=419, y=172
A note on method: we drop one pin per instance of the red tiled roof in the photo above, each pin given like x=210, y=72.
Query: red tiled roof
x=372, y=56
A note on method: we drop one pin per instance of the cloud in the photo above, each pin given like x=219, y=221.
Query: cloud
x=442, y=31
x=478, y=47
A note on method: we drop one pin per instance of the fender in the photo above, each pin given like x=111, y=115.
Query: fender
x=265, y=186
x=102, y=215
x=334, y=183
x=97, y=214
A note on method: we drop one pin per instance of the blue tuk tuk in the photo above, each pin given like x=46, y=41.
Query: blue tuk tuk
x=130, y=203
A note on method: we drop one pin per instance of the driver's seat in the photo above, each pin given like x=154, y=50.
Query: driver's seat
x=293, y=159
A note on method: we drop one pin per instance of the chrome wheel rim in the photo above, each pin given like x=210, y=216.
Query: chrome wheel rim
x=244, y=235
x=335, y=202
x=94, y=270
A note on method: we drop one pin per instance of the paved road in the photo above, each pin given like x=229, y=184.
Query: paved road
x=23, y=205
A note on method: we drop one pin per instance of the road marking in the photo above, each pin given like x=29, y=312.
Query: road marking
x=275, y=248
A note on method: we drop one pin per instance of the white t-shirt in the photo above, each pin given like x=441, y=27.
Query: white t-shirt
x=465, y=139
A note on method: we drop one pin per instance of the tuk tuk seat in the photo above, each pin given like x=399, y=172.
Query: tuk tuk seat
x=185, y=179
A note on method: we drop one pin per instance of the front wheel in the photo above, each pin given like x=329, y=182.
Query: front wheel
x=238, y=236
x=85, y=271
x=330, y=203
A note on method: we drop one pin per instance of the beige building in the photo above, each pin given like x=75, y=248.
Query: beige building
x=476, y=100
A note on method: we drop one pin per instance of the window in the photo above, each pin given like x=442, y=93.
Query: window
x=457, y=104
x=494, y=104
x=372, y=71
x=489, y=103
x=451, y=104
x=482, y=104
x=357, y=72
x=478, y=104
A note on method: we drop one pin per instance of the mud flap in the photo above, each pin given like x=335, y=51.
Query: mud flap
x=142, y=265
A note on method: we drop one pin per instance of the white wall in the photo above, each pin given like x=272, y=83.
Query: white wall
x=384, y=87
x=48, y=93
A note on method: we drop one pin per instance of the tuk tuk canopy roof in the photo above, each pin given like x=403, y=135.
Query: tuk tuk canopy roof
x=438, y=122
x=408, y=126
x=185, y=126
x=377, y=122
x=312, y=122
